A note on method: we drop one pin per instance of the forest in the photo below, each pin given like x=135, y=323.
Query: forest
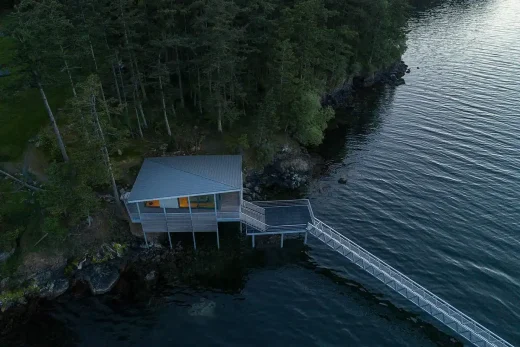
x=91, y=82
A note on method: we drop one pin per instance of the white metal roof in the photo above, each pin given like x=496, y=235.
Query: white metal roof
x=171, y=177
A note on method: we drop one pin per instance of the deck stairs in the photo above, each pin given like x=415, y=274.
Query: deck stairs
x=253, y=216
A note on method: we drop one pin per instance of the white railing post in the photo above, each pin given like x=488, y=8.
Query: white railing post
x=144, y=232
x=216, y=219
x=170, y=240
x=192, y=229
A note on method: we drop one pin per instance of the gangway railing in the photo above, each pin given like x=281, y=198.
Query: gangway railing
x=411, y=290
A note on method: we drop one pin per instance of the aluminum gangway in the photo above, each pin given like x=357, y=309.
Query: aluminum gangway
x=411, y=290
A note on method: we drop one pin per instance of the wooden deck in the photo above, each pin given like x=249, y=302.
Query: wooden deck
x=280, y=217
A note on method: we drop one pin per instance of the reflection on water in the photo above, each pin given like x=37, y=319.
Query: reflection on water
x=362, y=118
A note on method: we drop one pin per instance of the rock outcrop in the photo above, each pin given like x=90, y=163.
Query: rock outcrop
x=101, y=278
x=342, y=96
x=291, y=169
x=51, y=284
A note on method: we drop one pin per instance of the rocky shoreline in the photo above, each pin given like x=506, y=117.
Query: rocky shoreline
x=292, y=168
x=342, y=96
x=91, y=276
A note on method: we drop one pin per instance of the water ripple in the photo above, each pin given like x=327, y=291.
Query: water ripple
x=436, y=189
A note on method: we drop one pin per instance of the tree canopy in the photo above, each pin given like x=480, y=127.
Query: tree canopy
x=161, y=68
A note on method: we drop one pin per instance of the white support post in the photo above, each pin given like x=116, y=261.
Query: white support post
x=241, y=195
x=192, y=230
x=281, y=240
x=218, y=238
x=216, y=219
x=144, y=232
x=166, y=224
x=253, y=236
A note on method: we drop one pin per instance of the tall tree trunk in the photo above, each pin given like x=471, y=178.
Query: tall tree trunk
x=114, y=71
x=105, y=153
x=117, y=85
x=61, y=145
x=210, y=83
x=139, y=79
x=281, y=76
x=138, y=122
x=164, y=109
x=68, y=72
x=219, y=120
x=141, y=111
x=200, y=94
x=179, y=76
x=130, y=54
x=137, y=98
x=92, y=53
x=127, y=116
x=105, y=104
x=121, y=79
x=88, y=36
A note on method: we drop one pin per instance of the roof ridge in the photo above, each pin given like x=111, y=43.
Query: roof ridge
x=188, y=172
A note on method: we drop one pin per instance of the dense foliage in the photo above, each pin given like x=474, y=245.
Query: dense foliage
x=142, y=68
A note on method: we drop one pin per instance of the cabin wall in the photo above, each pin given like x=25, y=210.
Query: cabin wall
x=202, y=213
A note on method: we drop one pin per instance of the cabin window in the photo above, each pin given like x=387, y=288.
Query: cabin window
x=152, y=203
x=201, y=201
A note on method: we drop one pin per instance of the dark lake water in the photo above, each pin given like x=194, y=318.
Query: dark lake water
x=433, y=188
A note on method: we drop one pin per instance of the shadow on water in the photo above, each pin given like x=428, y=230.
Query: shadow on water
x=268, y=256
x=54, y=323
x=380, y=305
x=362, y=118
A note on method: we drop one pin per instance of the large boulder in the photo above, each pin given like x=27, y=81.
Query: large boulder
x=291, y=169
x=50, y=284
x=101, y=278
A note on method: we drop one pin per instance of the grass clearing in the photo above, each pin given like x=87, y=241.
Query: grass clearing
x=22, y=113
x=22, y=116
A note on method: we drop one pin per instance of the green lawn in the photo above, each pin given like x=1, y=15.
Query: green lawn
x=22, y=117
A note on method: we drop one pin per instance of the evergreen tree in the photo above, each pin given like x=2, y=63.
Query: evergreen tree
x=40, y=28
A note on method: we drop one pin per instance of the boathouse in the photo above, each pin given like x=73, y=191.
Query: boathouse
x=195, y=193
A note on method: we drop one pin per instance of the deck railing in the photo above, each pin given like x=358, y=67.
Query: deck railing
x=411, y=290
x=178, y=222
x=253, y=215
x=228, y=215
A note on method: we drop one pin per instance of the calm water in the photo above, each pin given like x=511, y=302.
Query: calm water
x=433, y=188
